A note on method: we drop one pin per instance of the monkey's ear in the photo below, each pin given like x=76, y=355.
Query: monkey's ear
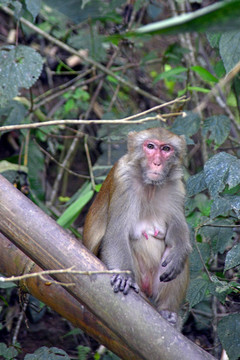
x=183, y=145
x=131, y=141
x=183, y=140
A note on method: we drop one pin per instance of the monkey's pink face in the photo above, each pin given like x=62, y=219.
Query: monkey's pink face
x=157, y=155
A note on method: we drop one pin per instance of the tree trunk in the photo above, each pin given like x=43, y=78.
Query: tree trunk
x=15, y=263
x=143, y=330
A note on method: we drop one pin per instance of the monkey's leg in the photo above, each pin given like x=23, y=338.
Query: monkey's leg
x=169, y=296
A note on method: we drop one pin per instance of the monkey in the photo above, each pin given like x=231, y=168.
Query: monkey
x=137, y=221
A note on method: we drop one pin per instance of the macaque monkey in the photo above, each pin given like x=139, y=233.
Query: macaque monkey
x=137, y=220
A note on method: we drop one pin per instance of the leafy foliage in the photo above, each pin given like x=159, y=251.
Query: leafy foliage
x=20, y=66
x=43, y=162
x=44, y=353
x=229, y=332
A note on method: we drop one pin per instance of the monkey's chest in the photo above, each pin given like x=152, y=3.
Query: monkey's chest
x=147, y=243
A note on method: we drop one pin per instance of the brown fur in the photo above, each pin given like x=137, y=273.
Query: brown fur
x=126, y=207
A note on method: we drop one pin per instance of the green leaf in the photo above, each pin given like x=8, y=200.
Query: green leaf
x=229, y=334
x=83, y=351
x=196, y=184
x=218, y=16
x=199, y=89
x=214, y=38
x=203, y=204
x=204, y=74
x=35, y=170
x=220, y=206
x=34, y=7
x=197, y=291
x=232, y=258
x=170, y=74
x=220, y=170
x=195, y=260
x=219, y=128
x=72, y=212
x=219, y=288
x=187, y=125
x=13, y=114
x=79, y=11
x=9, y=353
x=229, y=47
x=44, y=353
x=220, y=237
x=20, y=67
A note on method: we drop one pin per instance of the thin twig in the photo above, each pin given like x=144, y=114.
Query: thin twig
x=59, y=164
x=70, y=270
x=89, y=162
x=127, y=120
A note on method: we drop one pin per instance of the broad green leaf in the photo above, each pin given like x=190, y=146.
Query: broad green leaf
x=187, y=125
x=233, y=178
x=232, y=258
x=219, y=237
x=204, y=74
x=196, y=184
x=45, y=353
x=203, y=204
x=8, y=352
x=34, y=7
x=72, y=212
x=197, y=291
x=199, y=89
x=218, y=16
x=13, y=114
x=35, y=170
x=220, y=170
x=6, y=166
x=171, y=74
x=235, y=205
x=195, y=260
x=220, y=206
x=214, y=38
x=229, y=47
x=229, y=334
x=219, y=128
x=20, y=67
x=219, y=288
x=79, y=11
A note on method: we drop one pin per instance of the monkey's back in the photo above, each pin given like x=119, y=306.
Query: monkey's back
x=96, y=219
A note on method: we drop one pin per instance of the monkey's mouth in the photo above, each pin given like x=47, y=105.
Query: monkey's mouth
x=154, y=175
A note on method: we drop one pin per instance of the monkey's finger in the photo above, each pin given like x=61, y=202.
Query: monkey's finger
x=168, y=275
x=116, y=282
x=127, y=286
x=113, y=279
x=135, y=287
x=123, y=285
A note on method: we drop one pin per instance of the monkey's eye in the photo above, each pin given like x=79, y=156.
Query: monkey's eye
x=150, y=146
x=166, y=148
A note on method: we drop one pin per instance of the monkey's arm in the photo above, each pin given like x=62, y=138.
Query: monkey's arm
x=115, y=246
x=178, y=248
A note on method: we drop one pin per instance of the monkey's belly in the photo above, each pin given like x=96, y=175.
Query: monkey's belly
x=147, y=258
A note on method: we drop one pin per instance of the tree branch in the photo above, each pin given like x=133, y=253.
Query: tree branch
x=130, y=317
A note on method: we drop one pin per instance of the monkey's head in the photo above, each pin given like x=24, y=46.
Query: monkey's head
x=158, y=154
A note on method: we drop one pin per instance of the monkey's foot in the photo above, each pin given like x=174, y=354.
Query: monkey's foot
x=123, y=283
x=170, y=316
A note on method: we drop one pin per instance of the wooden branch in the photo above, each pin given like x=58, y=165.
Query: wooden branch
x=131, y=318
x=15, y=262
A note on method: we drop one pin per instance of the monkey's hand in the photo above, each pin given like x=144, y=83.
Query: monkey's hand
x=121, y=282
x=173, y=264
